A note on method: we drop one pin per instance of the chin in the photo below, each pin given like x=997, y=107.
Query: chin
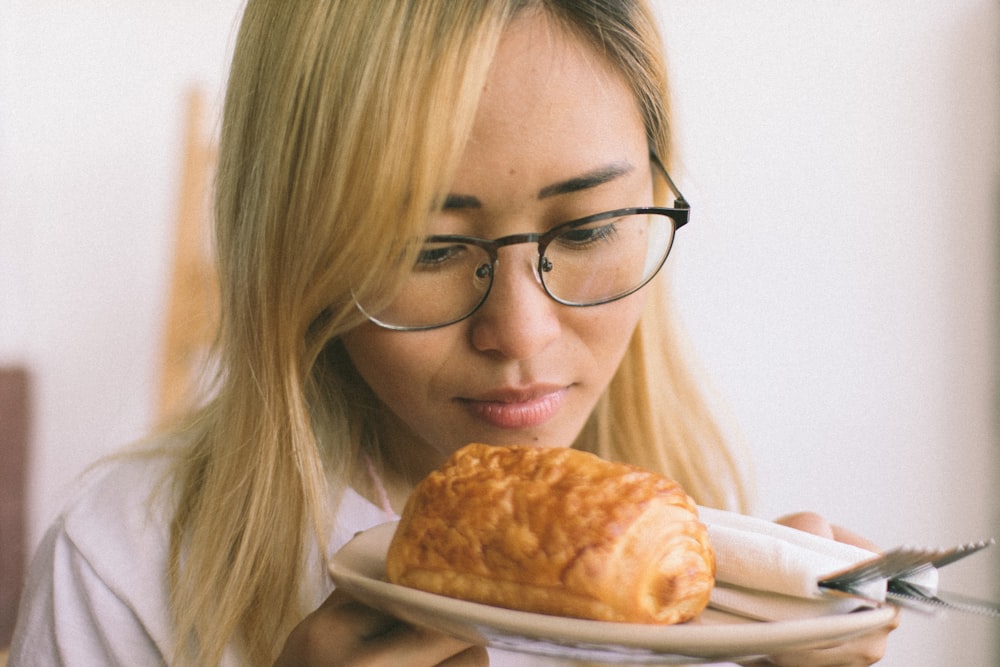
x=535, y=439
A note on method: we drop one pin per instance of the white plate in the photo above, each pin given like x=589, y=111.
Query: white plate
x=359, y=568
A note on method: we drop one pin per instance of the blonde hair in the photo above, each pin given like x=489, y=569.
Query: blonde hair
x=342, y=128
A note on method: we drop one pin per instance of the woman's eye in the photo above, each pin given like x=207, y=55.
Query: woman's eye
x=583, y=236
x=434, y=256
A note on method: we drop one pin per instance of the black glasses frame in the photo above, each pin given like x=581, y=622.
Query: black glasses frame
x=679, y=213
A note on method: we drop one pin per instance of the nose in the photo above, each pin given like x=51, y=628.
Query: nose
x=518, y=319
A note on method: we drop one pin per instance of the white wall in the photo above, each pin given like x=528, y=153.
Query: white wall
x=838, y=278
x=90, y=134
x=839, y=274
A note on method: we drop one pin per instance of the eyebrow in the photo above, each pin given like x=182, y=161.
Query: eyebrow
x=586, y=181
x=591, y=179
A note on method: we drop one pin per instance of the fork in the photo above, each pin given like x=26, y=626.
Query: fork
x=897, y=564
x=961, y=551
x=888, y=565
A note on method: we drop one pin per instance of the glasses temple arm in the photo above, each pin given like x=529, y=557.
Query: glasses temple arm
x=679, y=200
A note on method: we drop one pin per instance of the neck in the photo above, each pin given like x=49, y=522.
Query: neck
x=403, y=460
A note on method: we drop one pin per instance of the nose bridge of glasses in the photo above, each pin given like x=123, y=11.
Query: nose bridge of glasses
x=518, y=239
x=515, y=239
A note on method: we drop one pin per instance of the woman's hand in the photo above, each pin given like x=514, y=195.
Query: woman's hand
x=345, y=632
x=863, y=650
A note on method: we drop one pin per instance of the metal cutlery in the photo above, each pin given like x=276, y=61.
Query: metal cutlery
x=899, y=563
x=916, y=597
x=961, y=551
x=898, y=566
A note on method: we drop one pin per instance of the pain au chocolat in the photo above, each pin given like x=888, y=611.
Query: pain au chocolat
x=555, y=531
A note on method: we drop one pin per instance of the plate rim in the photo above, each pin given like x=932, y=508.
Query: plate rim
x=743, y=637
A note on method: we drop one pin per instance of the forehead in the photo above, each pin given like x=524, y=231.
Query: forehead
x=551, y=102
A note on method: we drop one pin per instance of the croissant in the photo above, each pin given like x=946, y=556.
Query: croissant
x=555, y=531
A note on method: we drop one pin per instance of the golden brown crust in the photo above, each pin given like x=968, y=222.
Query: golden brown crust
x=555, y=531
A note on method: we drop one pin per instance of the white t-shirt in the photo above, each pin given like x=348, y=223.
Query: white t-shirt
x=97, y=588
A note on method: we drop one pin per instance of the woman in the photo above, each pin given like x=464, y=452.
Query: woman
x=353, y=359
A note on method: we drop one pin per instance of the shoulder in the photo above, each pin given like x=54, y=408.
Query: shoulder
x=97, y=587
x=120, y=520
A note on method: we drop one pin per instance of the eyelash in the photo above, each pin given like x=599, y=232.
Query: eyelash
x=589, y=235
x=428, y=258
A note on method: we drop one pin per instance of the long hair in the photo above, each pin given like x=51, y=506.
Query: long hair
x=343, y=125
x=654, y=412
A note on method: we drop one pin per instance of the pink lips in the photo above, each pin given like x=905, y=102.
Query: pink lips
x=517, y=409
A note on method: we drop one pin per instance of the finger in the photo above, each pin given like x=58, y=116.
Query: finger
x=353, y=617
x=422, y=647
x=340, y=628
x=809, y=522
x=859, y=651
x=848, y=537
x=474, y=656
x=845, y=655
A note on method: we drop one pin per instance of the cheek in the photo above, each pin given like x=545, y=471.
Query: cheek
x=398, y=367
x=405, y=371
x=610, y=331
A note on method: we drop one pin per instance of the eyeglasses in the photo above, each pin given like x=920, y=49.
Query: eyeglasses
x=584, y=262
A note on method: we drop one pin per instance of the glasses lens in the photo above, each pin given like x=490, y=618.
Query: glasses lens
x=606, y=259
x=448, y=281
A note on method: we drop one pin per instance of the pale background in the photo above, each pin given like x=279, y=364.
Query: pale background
x=838, y=280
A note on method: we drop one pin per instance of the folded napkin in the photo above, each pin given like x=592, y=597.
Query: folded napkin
x=770, y=572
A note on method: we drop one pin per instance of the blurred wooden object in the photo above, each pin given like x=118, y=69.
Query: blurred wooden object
x=15, y=418
x=193, y=297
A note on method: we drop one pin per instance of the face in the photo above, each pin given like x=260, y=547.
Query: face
x=557, y=136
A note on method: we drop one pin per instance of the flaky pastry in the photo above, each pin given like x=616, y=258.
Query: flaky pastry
x=555, y=531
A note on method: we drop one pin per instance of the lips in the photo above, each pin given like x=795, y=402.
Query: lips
x=514, y=409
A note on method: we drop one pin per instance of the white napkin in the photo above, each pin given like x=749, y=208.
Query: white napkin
x=770, y=572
